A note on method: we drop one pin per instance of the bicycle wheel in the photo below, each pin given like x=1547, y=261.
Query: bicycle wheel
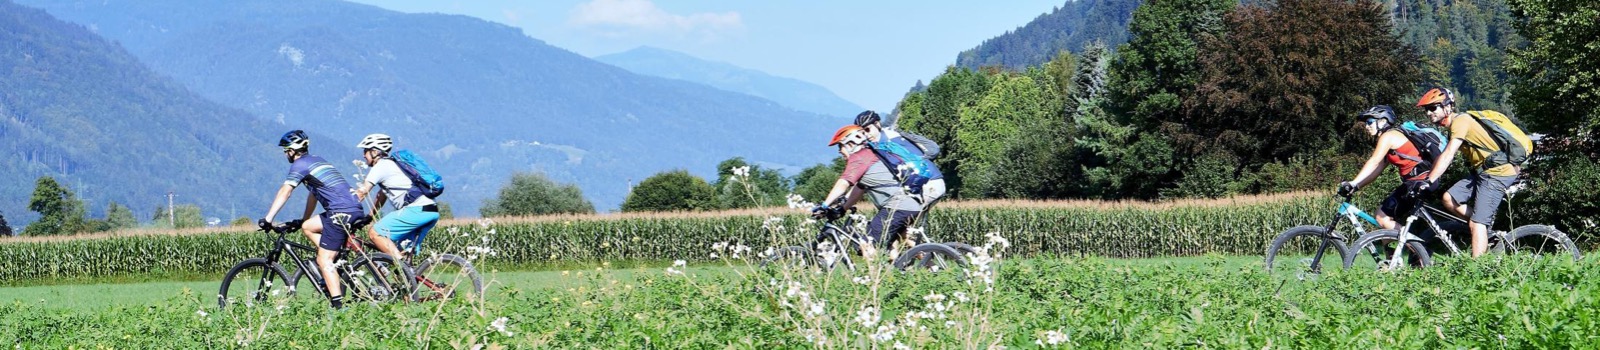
x=1540, y=240
x=963, y=248
x=1375, y=250
x=445, y=275
x=933, y=257
x=259, y=282
x=1294, y=254
x=375, y=277
x=791, y=257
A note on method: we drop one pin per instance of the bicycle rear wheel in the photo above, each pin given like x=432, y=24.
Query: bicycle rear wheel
x=1539, y=241
x=376, y=277
x=444, y=276
x=1375, y=250
x=933, y=257
x=1300, y=251
x=252, y=282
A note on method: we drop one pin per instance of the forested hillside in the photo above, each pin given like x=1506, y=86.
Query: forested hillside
x=1071, y=27
x=81, y=109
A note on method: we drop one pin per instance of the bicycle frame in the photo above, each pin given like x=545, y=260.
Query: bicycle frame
x=1347, y=212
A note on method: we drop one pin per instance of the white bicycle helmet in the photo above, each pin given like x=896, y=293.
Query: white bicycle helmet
x=379, y=142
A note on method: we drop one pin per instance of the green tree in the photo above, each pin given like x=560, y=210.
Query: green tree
x=120, y=217
x=535, y=194
x=760, y=187
x=5, y=228
x=59, y=209
x=940, y=115
x=188, y=216
x=241, y=221
x=1011, y=139
x=675, y=190
x=1157, y=68
x=1328, y=60
x=813, y=183
x=1557, y=89
x=445, y=213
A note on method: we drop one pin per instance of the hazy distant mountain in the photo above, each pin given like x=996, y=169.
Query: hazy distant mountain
x=81, y=109
x=789, y=92
x=1069, y=27
x=481, y=100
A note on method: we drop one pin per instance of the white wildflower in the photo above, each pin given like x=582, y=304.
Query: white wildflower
x=1052, y=338
x=901, y=346
x=867, y=317
x=499, y=325
x=862, y=280
x=884, y=333
x=201, y=312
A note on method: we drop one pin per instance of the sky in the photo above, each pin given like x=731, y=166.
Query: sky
x=868, y=52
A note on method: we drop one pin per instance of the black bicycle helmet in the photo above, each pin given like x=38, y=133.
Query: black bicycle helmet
x=867, y=117
x=1379, y=112
x=294, y=140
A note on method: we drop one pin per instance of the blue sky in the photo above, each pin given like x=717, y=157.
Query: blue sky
x=868, y=52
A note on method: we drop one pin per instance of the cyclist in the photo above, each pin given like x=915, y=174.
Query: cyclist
x=1477, y=197
x=329, y=188
x=883, y=139
x=1393, y=148
x=864, y=171
x=409, y=222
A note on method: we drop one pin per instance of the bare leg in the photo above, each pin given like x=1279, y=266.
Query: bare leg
x=325, y=263
x=313, y=230
x=1480, y=239
x=383, y=242
x=1459, y=209
x=1385, y=221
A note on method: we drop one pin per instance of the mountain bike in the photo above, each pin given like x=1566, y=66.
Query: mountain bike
x=374, y=277
x=436, y=277
x=838, y=240
x=1538, y=240
x=1300, y=251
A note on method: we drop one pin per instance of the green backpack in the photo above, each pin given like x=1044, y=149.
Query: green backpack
x=1515, y=146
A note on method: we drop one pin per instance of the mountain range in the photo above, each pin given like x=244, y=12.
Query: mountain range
x=78, y=108
x=789, y=92
x=480, y=100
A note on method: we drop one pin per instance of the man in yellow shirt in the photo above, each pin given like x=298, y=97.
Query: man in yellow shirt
x=1476, y=198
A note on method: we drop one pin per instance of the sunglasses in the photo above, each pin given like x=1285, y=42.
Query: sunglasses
x=1433, y=107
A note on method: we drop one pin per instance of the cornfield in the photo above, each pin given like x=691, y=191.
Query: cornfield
x=1241, y=226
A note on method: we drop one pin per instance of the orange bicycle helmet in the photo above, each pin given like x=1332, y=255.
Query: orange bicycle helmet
x=848, y=133
x=1436, y=96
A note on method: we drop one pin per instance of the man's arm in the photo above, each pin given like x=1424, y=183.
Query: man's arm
x=278, y=201
x=1443, y=163
x=311, y=205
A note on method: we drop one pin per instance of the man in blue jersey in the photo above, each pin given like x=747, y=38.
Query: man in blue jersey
x=329, y=188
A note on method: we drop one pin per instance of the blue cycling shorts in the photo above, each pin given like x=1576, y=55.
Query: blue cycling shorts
x=407, y=226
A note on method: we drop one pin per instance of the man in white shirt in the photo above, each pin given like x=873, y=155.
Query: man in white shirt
x=410, y=222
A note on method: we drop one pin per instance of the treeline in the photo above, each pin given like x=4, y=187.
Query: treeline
x=1208, y=98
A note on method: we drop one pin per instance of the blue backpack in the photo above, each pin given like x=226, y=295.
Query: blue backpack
x=911, y=169
x=424, y=181
x=1429, y=144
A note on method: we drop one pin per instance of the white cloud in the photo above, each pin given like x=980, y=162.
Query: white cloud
x=622, y=17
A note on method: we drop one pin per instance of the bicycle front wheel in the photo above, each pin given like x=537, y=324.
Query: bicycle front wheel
x=1303, y=251
x=1375, y=251
x=252, y=282
x=1540, y=240
x=791, y=257
x=445, y=275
